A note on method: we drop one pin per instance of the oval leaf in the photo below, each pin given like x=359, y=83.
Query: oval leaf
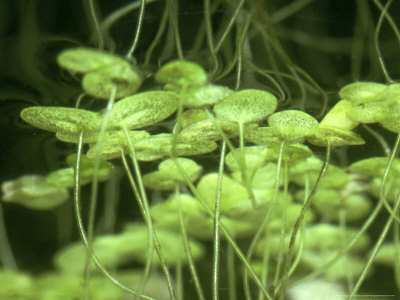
x=246, y=106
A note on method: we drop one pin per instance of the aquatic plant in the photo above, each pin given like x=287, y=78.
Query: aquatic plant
x=228, y=170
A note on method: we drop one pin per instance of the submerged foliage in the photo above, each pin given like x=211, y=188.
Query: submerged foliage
x=219, y=134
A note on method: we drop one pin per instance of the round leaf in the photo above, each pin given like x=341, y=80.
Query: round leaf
x=246, y=106
x=122, y=77
x=62, y=119
x=143, y=109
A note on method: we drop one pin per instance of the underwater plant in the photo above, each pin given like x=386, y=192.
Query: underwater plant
x=205, y=151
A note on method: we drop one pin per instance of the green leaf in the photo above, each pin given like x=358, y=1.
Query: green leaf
x=340, y=116
x=375, y=166
x=85, y=60
x=165, y=213
x=113, y=144
x=329, y=203
x=292, y=125
x=336, y=136
x=162, y=145
x=358, y=92
x=121, y=77
x=232, y=192
x=143, y=109
x=178, y=75
x=65, y=177
x=208, y=130
x=168, y=174
x=32, y=191
x=205, y=95
x=63, y=119
x=246, y=106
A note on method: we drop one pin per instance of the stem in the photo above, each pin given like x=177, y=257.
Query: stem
x=138, y=28
x=300, y=219
x=377, y=246
x=265, y=221
x=149, y=259
x=216, y=252
x=81, y=229
x=186, y=246
x=147, y=214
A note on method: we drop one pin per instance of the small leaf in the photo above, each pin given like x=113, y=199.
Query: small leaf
x=85, y=60
x=375, y=166
x=325, y=237
x=207, y=130
x=113, y=145
x=162, y=145
x=121, y=77
x=143, y=109
x=330, y=204
x=63, y=119
x=65, y=177
x=32, y=191
x=358, y=92
x=255, y=157
x=165, y=213
x=168, y=174
x=205, y=95
x=337, y=137
x=232, y=192
x=292, y=125
x=178, y=75
x=246, y=106
x=340, y=116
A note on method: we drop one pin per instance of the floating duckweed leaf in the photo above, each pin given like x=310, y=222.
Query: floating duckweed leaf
x=203, y=228
x=191, y=168
x=336, y=136
x=386, y=254
x=191, y=116
x=292, y=125
x=89, y=137
x=254, y=156
x=340, y=116
x=56, y=285
x=325, y=237
x=391, y=122
x=166, y=213
x=246, y=106
x=134, y=241
x=143, y=109
x=207, y=130
x=205, y=95
x=358, y=92
x=168, y=174
x=84, y=60
x=370, y=112
x=339, y=270
x=391, y=188
x=121, y=77
x=65, y=177
x=71, y=259
x=63, y=119
x=181, y=74
x=34, y=192
x=375, y=166
x=329, y=203
x=232, y=192
x=263, y=177
x=161, y=145
x=266, y=136
x=334, y=177
x=15, y=285
x=292, y=212
x=113, y=144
